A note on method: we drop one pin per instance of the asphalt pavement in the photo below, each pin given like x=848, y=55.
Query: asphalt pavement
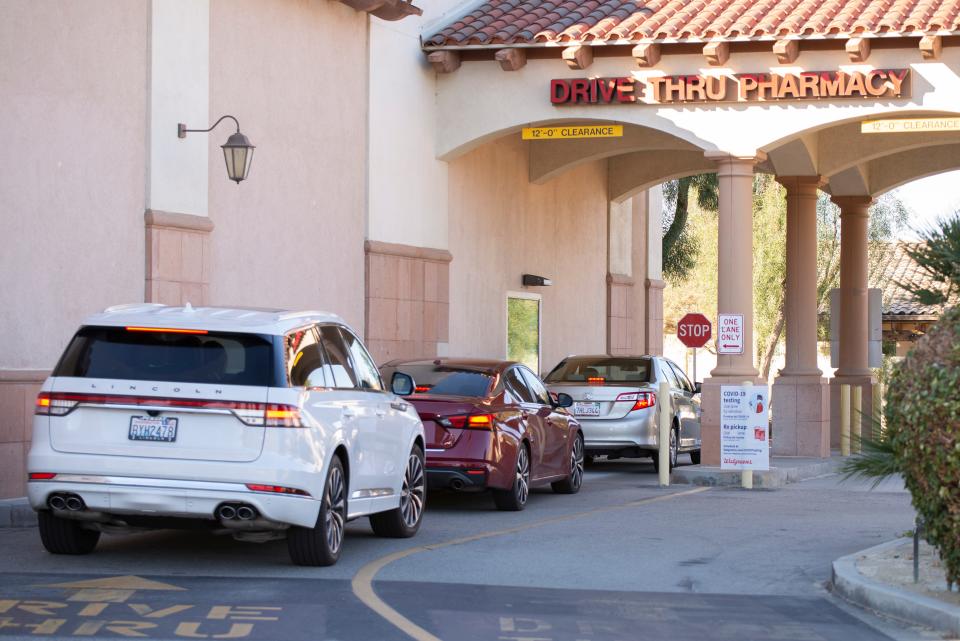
x=621, y=560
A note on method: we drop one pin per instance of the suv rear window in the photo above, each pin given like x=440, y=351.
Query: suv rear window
x=221, y=358
x=601, y=370
x=444, y=380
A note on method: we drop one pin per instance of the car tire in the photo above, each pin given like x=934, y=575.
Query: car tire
x=515, y=498
x=695, y=457
x=64, y=536
x=404, y=521
x=572, y=484
x=321, y=544
x=674, y=452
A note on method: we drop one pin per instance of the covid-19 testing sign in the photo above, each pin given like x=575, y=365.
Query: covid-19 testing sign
x=744, y=429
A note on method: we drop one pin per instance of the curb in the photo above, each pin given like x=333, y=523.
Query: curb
x=914, y=608
x=772, y=479
x=17, y=513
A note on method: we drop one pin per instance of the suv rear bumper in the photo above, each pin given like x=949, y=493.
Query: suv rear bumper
x=122, y=495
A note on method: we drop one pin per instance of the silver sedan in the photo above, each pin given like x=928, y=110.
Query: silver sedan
x=615, y=401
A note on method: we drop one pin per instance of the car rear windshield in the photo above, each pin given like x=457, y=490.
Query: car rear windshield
x=445, y=380
x=222, y=358
x=601, y=370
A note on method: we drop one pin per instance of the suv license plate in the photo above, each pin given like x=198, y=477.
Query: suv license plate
x=147, y=428
x=586, y=409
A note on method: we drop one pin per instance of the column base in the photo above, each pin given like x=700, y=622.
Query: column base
x=710, y=414
x=801, y=416
x=865, y=381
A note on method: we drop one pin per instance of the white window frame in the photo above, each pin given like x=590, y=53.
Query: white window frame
x=506, y=323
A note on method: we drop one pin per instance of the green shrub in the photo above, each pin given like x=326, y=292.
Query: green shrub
x=923, y=416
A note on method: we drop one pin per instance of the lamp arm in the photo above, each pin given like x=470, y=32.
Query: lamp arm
x=182, y=130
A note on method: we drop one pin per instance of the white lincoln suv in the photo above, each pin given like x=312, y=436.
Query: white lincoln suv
x=261, y=424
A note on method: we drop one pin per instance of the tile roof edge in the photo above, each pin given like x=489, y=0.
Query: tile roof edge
x=623, y=42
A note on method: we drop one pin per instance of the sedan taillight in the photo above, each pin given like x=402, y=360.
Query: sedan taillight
x=641, y=400
x=468, y=421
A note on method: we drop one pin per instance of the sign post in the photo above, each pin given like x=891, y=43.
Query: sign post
x=694, y=330
x=730, y=334
x=744, y=428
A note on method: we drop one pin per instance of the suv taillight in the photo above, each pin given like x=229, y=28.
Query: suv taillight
x=53, y=405
x=641, y=400
x=254, y=414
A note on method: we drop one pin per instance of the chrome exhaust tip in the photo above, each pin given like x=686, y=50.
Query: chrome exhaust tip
x=246, y=513
x=226, y=512
x=57, y=502
x=74, y=503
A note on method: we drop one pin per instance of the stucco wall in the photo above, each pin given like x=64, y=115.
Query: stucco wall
x=295, y=75
x=501, y=227
x=72, y=114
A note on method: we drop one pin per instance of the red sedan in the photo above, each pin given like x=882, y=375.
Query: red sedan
x=492, y=424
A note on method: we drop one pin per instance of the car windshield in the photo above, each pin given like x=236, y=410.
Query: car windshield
x=601, y=370
x=144, y=354
x=445, y=380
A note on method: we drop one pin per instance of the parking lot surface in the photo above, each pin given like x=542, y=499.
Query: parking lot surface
x=621, y=560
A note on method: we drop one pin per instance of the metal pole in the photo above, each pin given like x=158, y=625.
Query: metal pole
x=844, y=420
x=917, y=524
x=856, y=418
x=694, y=365
x=663, y=442
x=746, y=476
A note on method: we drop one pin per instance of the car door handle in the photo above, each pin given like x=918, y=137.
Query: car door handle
x=400, y=407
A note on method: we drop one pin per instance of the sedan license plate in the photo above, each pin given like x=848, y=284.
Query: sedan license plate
x=586, y=409
x=147, y=428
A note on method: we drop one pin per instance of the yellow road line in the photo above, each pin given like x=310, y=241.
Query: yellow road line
x=362, y=583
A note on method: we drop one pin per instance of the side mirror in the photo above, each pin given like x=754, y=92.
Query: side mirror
x=697, y=387
x=564, y=400
x=402, y=384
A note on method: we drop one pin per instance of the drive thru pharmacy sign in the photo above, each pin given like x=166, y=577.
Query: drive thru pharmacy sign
x=730, y=334
x=744, y=429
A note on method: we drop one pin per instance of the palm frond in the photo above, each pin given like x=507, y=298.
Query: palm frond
x=877, y=459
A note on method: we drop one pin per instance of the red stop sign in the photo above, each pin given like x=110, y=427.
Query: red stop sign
x=694, y=330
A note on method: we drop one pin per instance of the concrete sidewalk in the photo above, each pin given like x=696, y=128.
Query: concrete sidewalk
x=783, y=470
x=881, y=579
x=16, y=513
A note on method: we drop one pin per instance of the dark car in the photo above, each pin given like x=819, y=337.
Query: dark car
x=493, y=425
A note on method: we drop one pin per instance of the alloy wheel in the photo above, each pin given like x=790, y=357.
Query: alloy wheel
x=523, y=475
x=674, y=450
x=335, y=504
x=413, y=492
x=576, y=462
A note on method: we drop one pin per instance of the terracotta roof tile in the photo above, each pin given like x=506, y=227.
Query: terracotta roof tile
x=895, y=267
x=603, y=21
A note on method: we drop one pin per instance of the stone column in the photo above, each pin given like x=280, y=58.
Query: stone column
x=854, y=368
x=653, y=283
x=801, y=417
x=734, y=289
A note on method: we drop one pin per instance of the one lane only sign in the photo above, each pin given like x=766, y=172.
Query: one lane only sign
x=744, y=428
x=730, y=334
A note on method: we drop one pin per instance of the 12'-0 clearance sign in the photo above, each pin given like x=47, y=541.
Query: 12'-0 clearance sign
x=741, y=87
x=744, y=442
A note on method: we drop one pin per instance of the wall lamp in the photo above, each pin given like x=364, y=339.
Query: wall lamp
x=237, y=151
x=532, y=280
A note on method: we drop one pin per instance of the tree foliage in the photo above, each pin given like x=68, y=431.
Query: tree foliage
x=922, y=441
x=923, y=416
x=680, y=246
